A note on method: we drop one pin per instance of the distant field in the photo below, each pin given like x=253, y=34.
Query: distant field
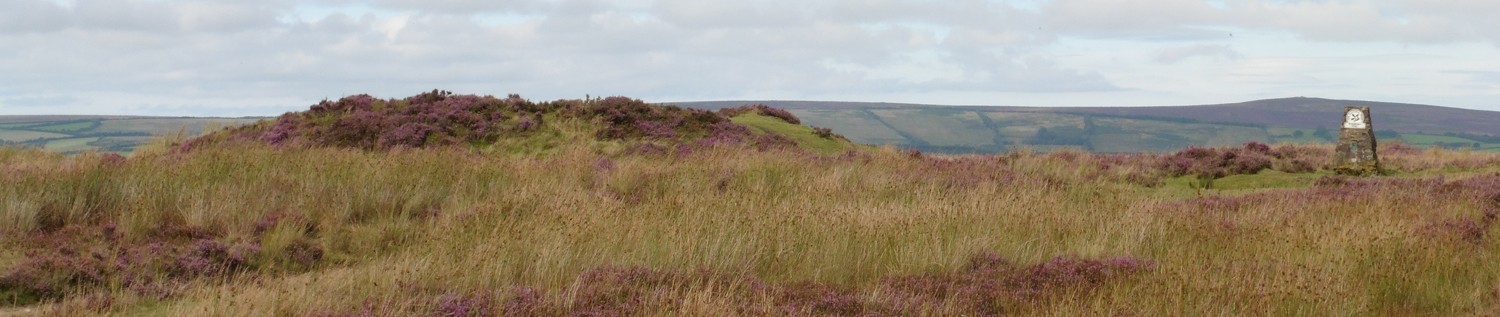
x=23, y=135
x=16, y=125
x=56, y=118
x=1017, y=127
x=939, y=126
x=1133, y=135
x=856, y=125
x=1428, y=141
x=1288, y=135
x=66, y=127
x=962, y=130
x=192, y=126
x=72, y=134
x=953, y=129
x=72, y=145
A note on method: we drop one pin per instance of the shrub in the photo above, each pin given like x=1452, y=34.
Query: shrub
x=1214, y=163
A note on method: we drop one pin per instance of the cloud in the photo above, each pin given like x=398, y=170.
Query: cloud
x=47, y=101
x=1481, y=77
x=464, y=7
x=28, y=16
x=1162, y=19
x=1174, y=55
x=204, y=52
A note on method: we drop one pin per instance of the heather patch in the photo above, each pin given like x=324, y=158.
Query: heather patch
x=441, y=118
x=626, y=118
x=988, y=286
x=83, y=260
x=1215, y=163
x=80, y=260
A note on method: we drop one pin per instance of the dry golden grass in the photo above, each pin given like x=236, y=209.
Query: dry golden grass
x=400, y=229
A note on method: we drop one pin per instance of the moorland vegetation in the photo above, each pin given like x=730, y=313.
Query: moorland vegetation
x=459, y=205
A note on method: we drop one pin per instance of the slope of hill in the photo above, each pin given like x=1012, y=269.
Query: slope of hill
x=948, y=129
x=1303, y=112
x=984, y=129
x=119, y=134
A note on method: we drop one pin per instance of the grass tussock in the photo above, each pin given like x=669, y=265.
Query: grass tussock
x=564, y=220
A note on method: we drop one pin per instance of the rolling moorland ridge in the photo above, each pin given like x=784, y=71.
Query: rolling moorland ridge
x=949, y=129
x=117, y=134
x=990, y=129
x=460, y=205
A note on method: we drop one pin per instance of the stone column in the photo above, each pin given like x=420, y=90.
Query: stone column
x=1355, y=153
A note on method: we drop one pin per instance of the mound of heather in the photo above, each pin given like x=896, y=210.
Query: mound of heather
x=441, y=118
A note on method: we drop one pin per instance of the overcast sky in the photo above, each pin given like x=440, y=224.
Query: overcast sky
x=264, y=57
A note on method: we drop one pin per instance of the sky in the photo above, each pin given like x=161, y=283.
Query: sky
x=265, y=57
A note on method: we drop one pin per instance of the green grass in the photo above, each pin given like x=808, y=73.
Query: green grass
x=1427, y=141
x=1017, y=127
x=1117, y=135
x=66, y=127
x=19, y=124
x=802, y=134
x=854, y=124
x=160, y=126
x=940, y=127
x=20, y=135
x=71, y=145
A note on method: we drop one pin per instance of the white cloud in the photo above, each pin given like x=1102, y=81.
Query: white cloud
x=288, y=53
x=1177, y=54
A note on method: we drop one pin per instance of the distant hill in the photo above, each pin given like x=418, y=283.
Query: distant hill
x=982, y=129
x=951, y=129
x=1314, y=112
x=121, y=134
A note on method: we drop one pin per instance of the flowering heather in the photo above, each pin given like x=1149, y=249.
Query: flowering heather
x=726, y=133
x=95, y=258
x=626, y=118
x=762, y=110
x=440, y=118
x=990, y=285
x=455, y=305
x=1249, y=159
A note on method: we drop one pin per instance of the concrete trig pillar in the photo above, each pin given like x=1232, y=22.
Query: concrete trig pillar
x=1355, y=153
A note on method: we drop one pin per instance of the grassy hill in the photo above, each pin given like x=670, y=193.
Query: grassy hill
x=987, y=129
x=454, y=205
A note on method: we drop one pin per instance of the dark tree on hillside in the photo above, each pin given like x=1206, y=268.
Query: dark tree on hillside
x=1297, y=134
x=1322, y=133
